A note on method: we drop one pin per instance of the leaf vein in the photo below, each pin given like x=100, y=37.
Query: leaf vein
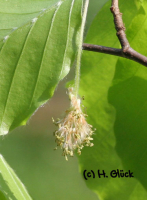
x=53, y=19
x=21, y=53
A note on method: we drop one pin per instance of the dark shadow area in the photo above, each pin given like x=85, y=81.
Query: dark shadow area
x=130, y=101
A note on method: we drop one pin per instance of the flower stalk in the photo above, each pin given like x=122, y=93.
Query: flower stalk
x=79, y=52
x=73, y=130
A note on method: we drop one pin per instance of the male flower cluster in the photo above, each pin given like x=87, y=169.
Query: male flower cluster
x=73, y=130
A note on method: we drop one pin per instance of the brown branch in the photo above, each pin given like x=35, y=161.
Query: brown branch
x=102, y=49
x=131, y=54
x=126, y=51
x=119, y=26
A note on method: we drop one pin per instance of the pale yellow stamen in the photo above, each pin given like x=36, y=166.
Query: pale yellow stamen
x=73, y=130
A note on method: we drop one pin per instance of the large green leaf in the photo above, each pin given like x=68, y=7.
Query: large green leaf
x=10, y=184
x=129, y=97
x=34, y=59
x=96, y=78
x=14, y=13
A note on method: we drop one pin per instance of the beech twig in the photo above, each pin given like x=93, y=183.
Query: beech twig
x=126, y=51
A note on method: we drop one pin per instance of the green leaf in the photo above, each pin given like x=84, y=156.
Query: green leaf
x=13, y=188
x=96, y=78
x=14, y=13
x=94, y=8
x=34, y=59
x=2, y=196
x=129, y=97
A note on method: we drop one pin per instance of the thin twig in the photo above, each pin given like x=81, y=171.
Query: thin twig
x=131, y=54
x=102, y=49
x=119, y=26
x=126, y=51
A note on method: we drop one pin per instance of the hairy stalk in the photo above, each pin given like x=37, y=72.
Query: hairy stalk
x=78, y=61
x=73, y=130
